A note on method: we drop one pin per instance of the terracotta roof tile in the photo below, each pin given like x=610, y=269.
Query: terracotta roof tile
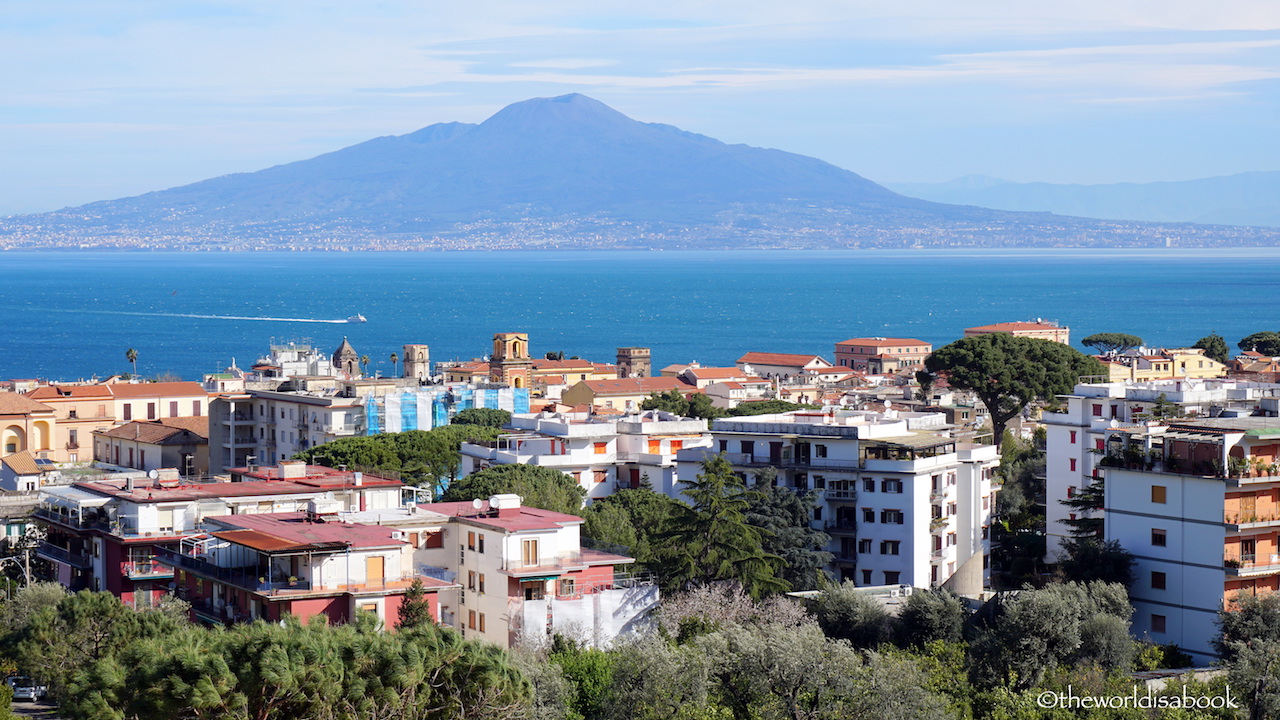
x=15, y=404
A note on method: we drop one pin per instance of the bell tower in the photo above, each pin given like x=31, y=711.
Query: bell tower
x=417, y=362
x=346, y=359
x=633, y=362
x=510, y=363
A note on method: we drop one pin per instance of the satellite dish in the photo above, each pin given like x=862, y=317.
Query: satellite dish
x=476, y=503
x=153, y=474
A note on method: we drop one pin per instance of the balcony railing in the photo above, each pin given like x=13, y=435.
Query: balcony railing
x=63, y=555
x=145, y=570
x=520, y=566
x=251, y=579
x=1252, y=564
x=842, y=527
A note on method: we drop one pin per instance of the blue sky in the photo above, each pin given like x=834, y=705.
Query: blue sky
x=114, y=98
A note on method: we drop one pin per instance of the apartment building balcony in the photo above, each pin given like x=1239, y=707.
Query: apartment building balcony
x=1252, y=565
x=218, y=612
x=841, y=495
x=937, y=496
x=520, y=567
x=246, y=578
x=240, y=416
x=938, y=524
x=1238, y=522
x=937, y=557
x=50, y=551
x=145, y=570
x=842, y=527
x=342, y=429
x=845, y=557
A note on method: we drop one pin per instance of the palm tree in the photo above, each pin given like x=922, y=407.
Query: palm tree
x=364, y=361
x=395, y=359
x=132, y=356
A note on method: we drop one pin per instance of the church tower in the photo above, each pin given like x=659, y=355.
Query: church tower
x=346, y=359
x=510, y=363
x=633, y=362
x=417, y=362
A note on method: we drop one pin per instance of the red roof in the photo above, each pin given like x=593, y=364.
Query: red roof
x=73, y=392
x=161, y=389
x=761, y=358
x=707, y=373
x=144, y=492
x=881, y=342
x=15, y=404
x=510, y=520
x=1014, y=326
x=632, y=386
x=278, y=532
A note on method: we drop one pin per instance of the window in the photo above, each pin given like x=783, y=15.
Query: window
x=724, y=446
x=891, y=517
x=1071, y=491
x=655, y=446
x=128, y=411
x=173, y=408
x=1097, y=411
x=746, y=447
x=1159, y=538
x=1073, y=437
x=1158, y=494
x=1158, y=623
x=891, y=577
x=471, y=619
x=195, y=408
x=866, y=577
x=891, y=485
x=889, y=547
x=481, y=628
x=601, y=448
x=471, y=540
x=1158, y=580
x=869, y=485
x=529, y=552
x=480, y=543
x=480, y=585
x=1072, y=462
x=817, y=513
x=820, y=450
x=819, y=482
x=73, y=414
x=151, y=411
x=471, y=580
x=434, y=540
x=864, y=546
x=868, y=515
x=1099, y=444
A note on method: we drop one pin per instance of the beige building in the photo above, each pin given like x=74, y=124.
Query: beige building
x=1040, y=329
x=26, y=425
x=622, y=394
x=179, y=443
x=1178, y=364
x=81, y=410
x=878, y=355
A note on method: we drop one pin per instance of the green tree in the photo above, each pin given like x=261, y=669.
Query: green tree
x=696, y=405
x=711, y=539
x=1112, y=343
x=1086, y=506
x=784, y=518
x=414, y=610
x=1089, y=559
x=609, y=526
x=538, y=486
x=132, y=356
x=1038, y=630
x=364, y=363
x=1265, y=342
x=487, y=417
x=645, y=512
x=931, y=616
x=766, y=407
x=657, y=680
x=846, y=613
x=591, y=672
x=1214, y=346
x=373, y=452
x=555, y=355
x=1007, y=372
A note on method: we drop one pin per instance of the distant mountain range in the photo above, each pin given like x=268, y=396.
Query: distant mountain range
x=1246, y=199
x=565, y=172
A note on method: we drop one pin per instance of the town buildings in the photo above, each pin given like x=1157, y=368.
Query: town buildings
x=781, y=366
x=601, y=453
x=1077, y=431
x=180, y=443
x=105, y=535
x=1041, y=329
x=880, y=355
x=1197, y=502
x=26, y=425
x=624, y=394
x=904, y=502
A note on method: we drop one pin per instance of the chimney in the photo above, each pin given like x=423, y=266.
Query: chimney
x=358, y=477
x=505, y=505
x=128, y=484
x=292, y=469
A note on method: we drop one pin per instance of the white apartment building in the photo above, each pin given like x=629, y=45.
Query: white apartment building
x=1198, y=504
x=1076, y=435
x=270, y=426
x=601, y=453
x=904, y=502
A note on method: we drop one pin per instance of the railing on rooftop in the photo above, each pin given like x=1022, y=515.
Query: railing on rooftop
x=549, y=563
x=63, y=555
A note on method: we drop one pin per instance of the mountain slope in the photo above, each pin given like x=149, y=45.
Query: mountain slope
x=565, y=172
x=1244, y=199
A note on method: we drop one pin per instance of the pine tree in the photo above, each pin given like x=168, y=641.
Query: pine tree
x=415, y=611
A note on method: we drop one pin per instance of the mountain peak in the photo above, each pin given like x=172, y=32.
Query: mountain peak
x=561, y=112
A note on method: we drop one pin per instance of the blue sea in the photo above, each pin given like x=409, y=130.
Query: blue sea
x=69, y=315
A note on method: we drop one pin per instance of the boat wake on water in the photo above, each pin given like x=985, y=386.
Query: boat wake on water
x=258, y=318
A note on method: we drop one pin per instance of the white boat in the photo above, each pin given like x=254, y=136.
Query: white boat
x=357, y=319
